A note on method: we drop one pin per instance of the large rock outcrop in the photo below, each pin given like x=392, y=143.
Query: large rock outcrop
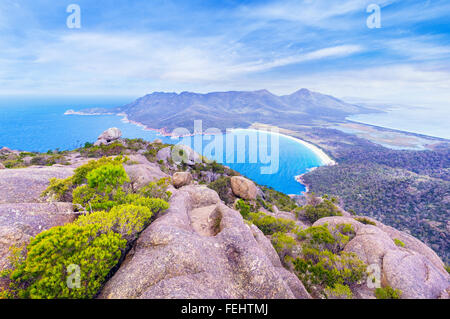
x=109, y=136
x=243, y=187
x=20, y=222
x=201, y=248
x=25, y=185
x=141, y=171
x=411, y=267
x=181, y=179
x=22, y=212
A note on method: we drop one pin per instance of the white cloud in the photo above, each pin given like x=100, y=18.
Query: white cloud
x=401, y=83
x=336, y=51
x=317, y=13
x=93, y=58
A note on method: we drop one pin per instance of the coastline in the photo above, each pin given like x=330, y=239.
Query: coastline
x=324, y=158
x=299, y=178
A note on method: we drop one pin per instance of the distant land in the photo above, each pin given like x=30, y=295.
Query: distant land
x=235, y=109
x=400, y=178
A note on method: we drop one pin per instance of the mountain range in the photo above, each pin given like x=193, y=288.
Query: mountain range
x=236, y=109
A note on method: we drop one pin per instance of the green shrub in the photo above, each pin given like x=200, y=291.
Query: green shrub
x=126, y=220
x=263, y=203
x=104, y=188
x=270, y=225
x=338, y=292
x=365, y=221
x=399, y=243
x=157, y=189
x=388, y=293
x=80, y=176
x=325, y=208
x=327, y=269
x=59, y=189
x=156, y=205
x=323, y=263
x=322, y=238
x=282, y=201
x=112, y=149
x=284, y=244
x=243, y=208
x=44, y=272
x=222, y=186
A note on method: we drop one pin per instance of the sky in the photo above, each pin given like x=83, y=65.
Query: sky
x=136, y=47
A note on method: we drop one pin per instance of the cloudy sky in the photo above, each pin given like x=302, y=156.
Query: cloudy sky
x=136, y=47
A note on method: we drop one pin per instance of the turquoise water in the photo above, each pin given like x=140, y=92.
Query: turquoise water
x=39, y=124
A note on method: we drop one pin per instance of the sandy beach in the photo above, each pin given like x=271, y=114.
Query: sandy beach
x=324, y=158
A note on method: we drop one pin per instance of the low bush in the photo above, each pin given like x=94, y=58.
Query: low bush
x=104, y=188
x=112, y=149
x=222, y=186
x=60, y=189
x=322, y=238
x=44, y=274
x=157, y=189
x=323, y=264
x=323, y=209
x=126, y=220
x=326, y=269
x=388, y=293
x=243, y=208
x=284, y=244
x=365, y=221
x=156, y=205
x=338, y=292
x=399, y=243
x=270, y=225
x=282, y=201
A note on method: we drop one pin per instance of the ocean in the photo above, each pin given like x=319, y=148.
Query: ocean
x=39, y=124
x=426, y=121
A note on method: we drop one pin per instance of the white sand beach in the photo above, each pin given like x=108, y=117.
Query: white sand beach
x=324, y=158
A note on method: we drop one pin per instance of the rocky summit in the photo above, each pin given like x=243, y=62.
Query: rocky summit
x=194, y=230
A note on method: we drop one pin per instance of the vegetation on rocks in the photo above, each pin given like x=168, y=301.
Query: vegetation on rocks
x=398, y=242
x=395, y=196
x=223, y=187
x=114, y=213
x=323, y=265
x=44, y=272
x=24, y=159
x=365, y=221
x=270, y=225
x=104, y=188
x=319, y=208
x=157, y=189
x=387, y=293
x=86, y=251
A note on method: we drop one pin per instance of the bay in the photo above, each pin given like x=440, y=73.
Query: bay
x=39, y=124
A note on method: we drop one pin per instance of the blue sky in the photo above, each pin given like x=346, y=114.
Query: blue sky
x=136, y=47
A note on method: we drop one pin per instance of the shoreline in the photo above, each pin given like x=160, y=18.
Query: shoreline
x=324, y=158
x=299, y=179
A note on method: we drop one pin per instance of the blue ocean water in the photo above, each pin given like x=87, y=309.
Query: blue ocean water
x=39, y=124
